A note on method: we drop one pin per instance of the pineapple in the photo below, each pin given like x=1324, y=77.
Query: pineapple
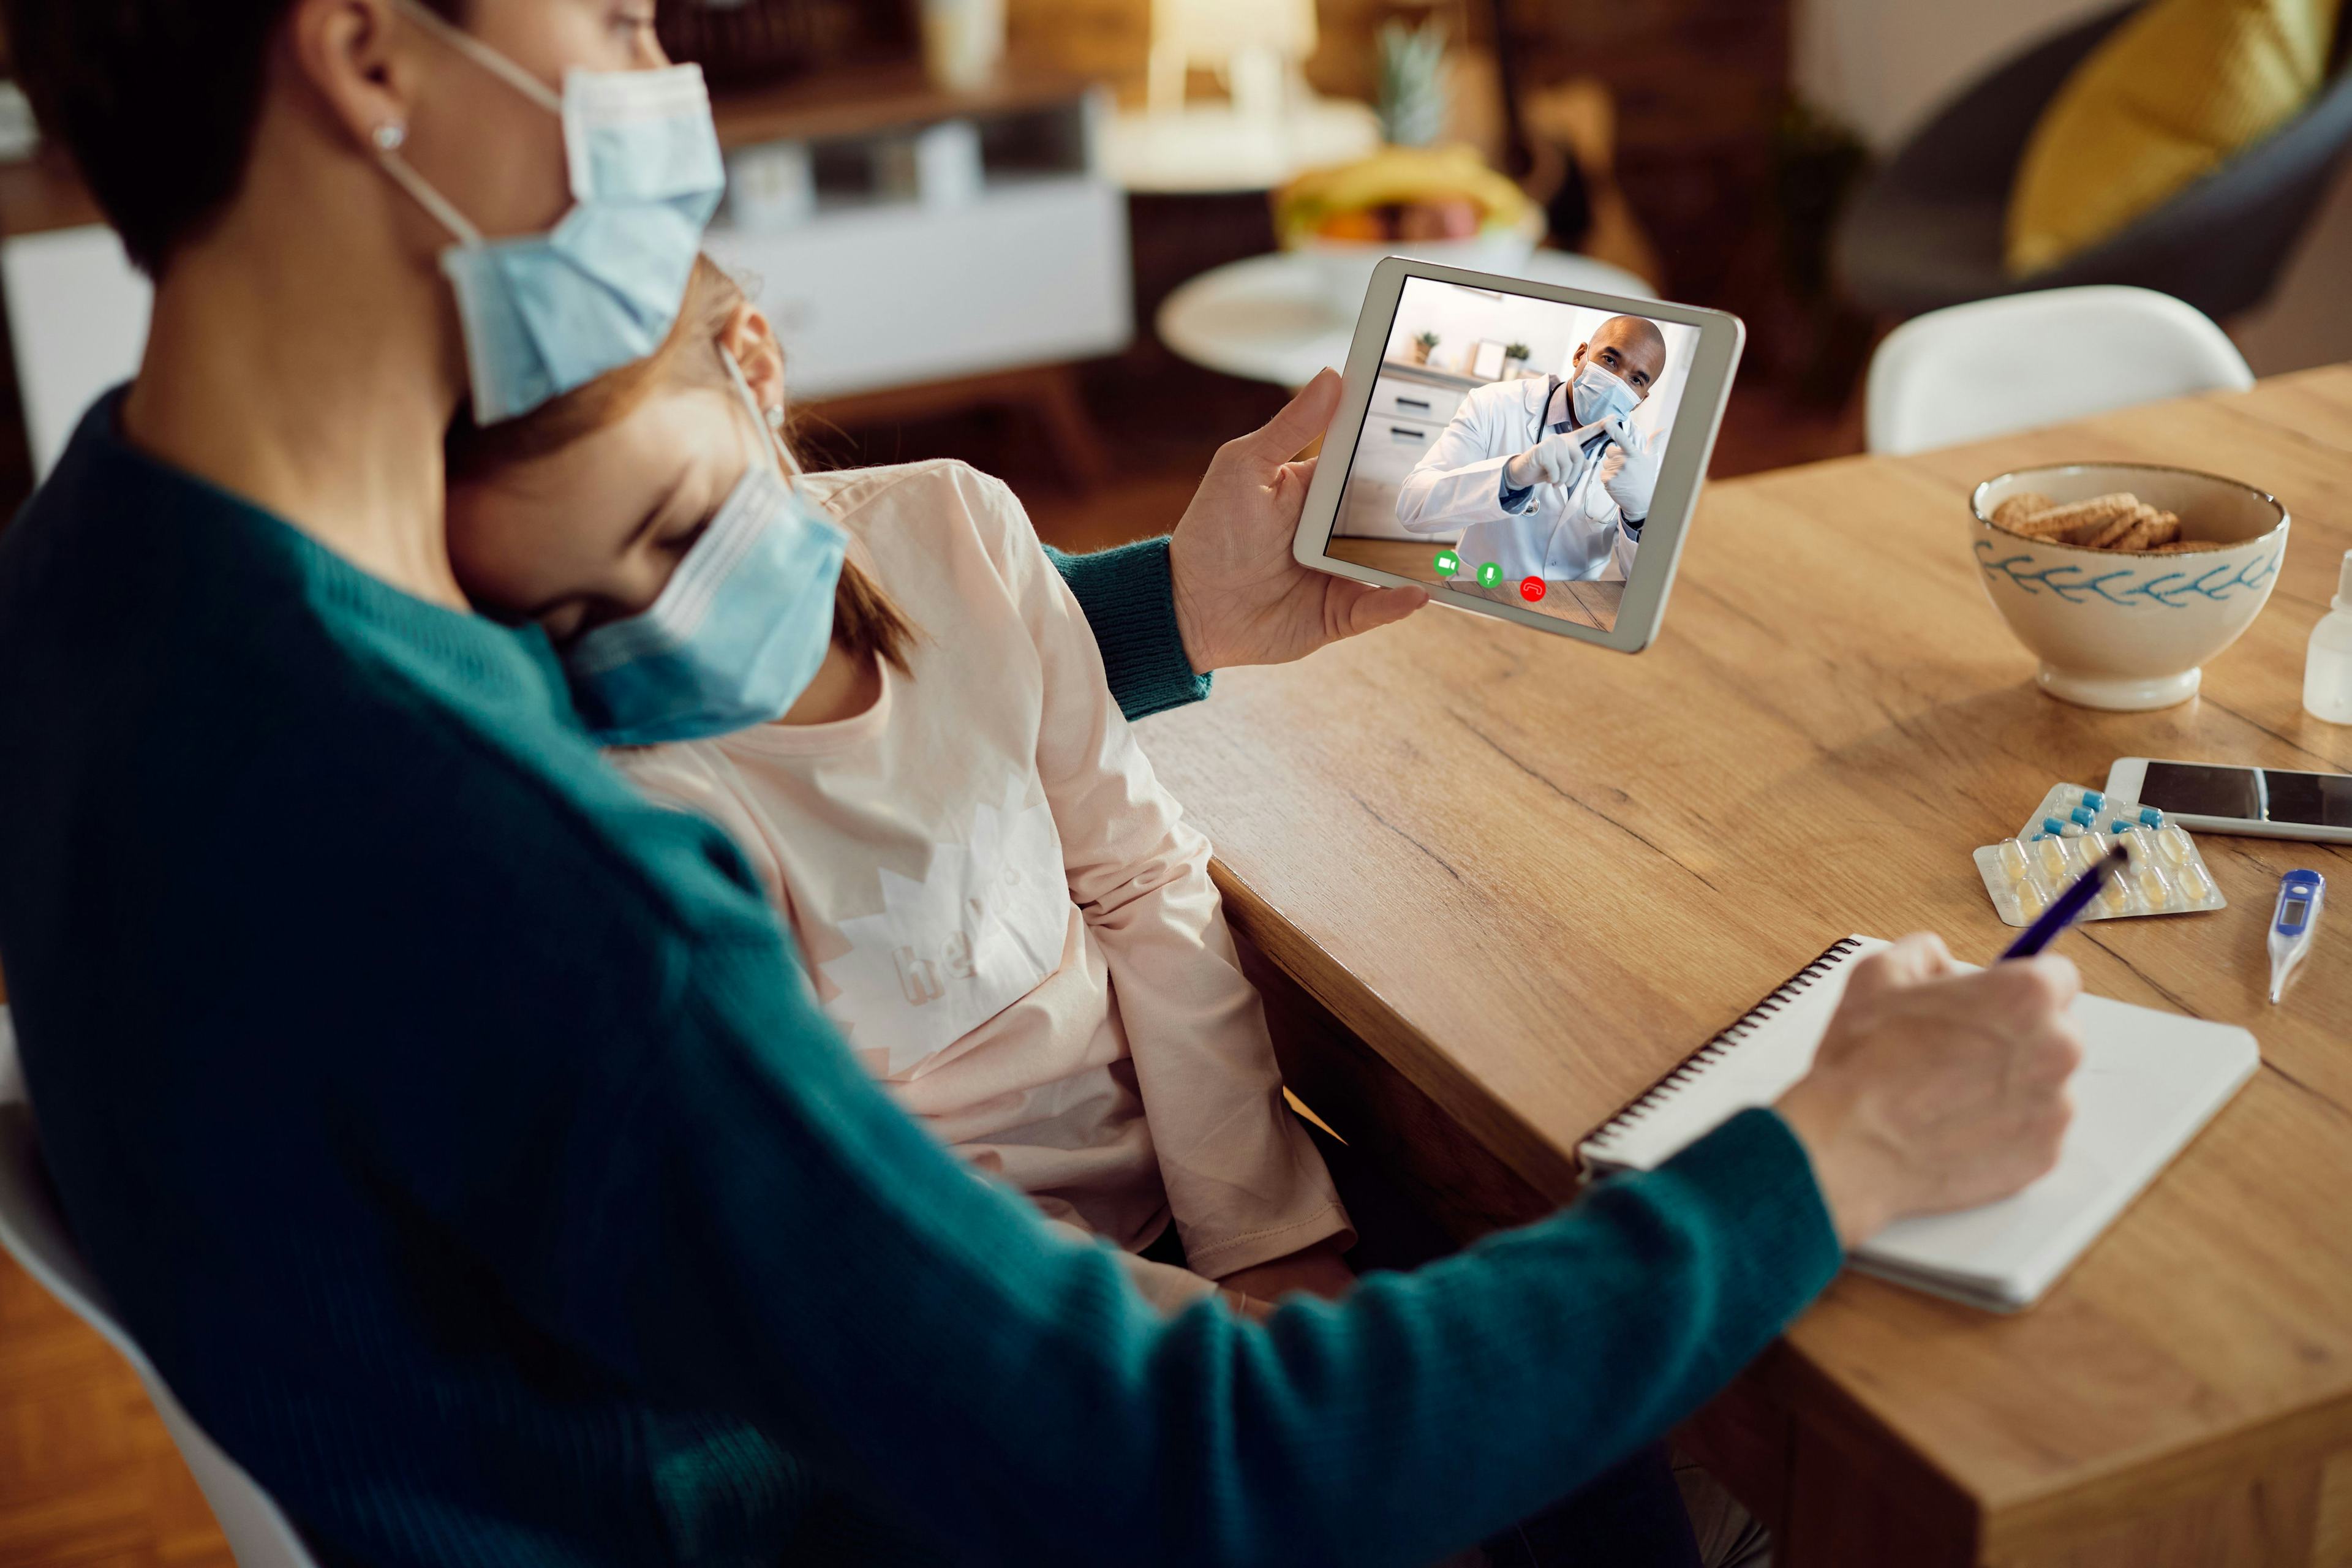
x=1412, y=96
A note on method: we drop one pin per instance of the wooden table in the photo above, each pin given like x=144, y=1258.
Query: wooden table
x=1494, y=883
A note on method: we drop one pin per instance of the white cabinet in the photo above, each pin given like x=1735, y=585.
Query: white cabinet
x=1408, y=409
x=77, y=320
x=1023, y=264
x=1033, y=272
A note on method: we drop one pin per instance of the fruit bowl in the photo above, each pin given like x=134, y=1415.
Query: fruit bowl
x=1346, y=265
x=1432, y=203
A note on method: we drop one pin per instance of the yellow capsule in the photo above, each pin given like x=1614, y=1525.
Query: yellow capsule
x=2052, y=852
x=2014, y=863
x=2173, y=841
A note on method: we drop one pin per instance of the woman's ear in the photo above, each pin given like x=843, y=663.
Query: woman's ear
x=753, y=343
x=360, y=62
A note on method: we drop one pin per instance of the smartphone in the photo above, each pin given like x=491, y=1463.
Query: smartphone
x=2262, y=802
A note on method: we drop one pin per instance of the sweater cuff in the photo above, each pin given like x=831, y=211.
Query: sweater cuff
x=1754, y=1176
x=1129, y=600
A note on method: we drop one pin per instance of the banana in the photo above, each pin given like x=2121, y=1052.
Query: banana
x=1396, y=177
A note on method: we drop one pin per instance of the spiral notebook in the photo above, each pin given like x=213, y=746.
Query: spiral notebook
x=2149, y=1081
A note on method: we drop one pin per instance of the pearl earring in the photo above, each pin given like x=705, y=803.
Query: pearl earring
x=776, y=418
x=389, y=135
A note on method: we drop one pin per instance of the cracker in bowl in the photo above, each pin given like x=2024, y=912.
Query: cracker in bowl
x=2118, y=522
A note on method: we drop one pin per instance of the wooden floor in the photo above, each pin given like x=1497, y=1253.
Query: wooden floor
x=87, y=1475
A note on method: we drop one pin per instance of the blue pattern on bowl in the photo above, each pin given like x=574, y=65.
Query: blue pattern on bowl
x=2075, y=583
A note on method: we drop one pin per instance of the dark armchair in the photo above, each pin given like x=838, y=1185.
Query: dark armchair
x=1926, y=230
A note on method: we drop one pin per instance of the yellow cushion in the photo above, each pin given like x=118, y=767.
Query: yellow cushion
x=2163, y=101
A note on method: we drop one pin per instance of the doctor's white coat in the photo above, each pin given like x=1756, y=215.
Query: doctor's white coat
x=1568, y=533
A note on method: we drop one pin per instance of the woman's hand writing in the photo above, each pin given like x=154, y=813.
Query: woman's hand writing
x=1937, y=1088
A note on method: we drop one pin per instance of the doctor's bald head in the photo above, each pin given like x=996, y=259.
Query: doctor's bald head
x=1629, y=348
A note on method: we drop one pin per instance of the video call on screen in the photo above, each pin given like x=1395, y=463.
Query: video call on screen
x=1470, y=380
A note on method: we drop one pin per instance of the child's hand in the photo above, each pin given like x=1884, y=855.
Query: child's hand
x=1318, y=1270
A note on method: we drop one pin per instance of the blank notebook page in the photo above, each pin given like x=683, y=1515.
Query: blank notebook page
x=2148, y=1082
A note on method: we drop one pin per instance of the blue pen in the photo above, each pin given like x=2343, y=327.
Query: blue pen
x=2068, y=907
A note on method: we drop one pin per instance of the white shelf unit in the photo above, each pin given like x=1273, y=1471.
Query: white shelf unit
x=1027, y=266
x=77, y=322
x=1409, y=410
x=866, y=297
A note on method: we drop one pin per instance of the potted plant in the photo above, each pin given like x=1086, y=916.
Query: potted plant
x=1422, y=346
x=1514, y=360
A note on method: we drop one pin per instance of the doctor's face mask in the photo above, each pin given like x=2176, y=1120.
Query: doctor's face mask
x=1599, y=395
x=545, y=313
x=1616, y=370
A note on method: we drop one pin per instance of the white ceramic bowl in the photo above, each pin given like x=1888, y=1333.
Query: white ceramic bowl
x=2131, y=631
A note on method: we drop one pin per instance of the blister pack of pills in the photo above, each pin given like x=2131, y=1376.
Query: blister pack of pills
x=2071, y=809
x=2166, y=876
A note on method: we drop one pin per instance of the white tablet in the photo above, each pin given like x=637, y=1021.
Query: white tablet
x=1522, y=450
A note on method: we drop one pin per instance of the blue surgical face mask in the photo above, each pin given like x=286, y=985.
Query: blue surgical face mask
x=545, y=313
x=735, y=635
x=1600, y=394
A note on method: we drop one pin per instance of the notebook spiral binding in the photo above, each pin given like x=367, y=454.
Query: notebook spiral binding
x=1655, y=1097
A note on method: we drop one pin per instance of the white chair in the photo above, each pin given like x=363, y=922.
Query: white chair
x=33, y=1230
x=2021, y=360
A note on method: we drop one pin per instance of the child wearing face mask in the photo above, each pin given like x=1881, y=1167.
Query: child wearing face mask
x=878, y=684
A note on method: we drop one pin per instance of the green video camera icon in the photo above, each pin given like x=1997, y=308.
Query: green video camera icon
x=1447, y=563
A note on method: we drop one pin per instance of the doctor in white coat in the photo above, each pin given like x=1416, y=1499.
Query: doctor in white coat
x=1545, y=478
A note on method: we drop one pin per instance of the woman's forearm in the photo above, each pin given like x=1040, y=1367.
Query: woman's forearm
x=775, y=1236
x=1130, y=602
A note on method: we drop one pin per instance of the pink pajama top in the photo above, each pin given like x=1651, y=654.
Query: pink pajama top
x=1001, y=908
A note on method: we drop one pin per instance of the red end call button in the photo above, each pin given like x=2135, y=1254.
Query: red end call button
x=1531, y=589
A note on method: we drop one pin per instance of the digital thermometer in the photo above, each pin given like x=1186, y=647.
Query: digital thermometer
x=2300, y=895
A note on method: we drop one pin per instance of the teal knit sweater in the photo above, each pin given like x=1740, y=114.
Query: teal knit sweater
x=452, y=1128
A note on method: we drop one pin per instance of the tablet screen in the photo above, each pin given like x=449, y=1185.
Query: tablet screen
x=1511, y=447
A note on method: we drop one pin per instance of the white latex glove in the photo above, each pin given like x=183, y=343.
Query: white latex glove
x=1629, y=471
x=1554, y=461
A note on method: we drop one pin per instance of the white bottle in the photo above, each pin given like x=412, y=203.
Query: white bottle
x=2328, y=666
